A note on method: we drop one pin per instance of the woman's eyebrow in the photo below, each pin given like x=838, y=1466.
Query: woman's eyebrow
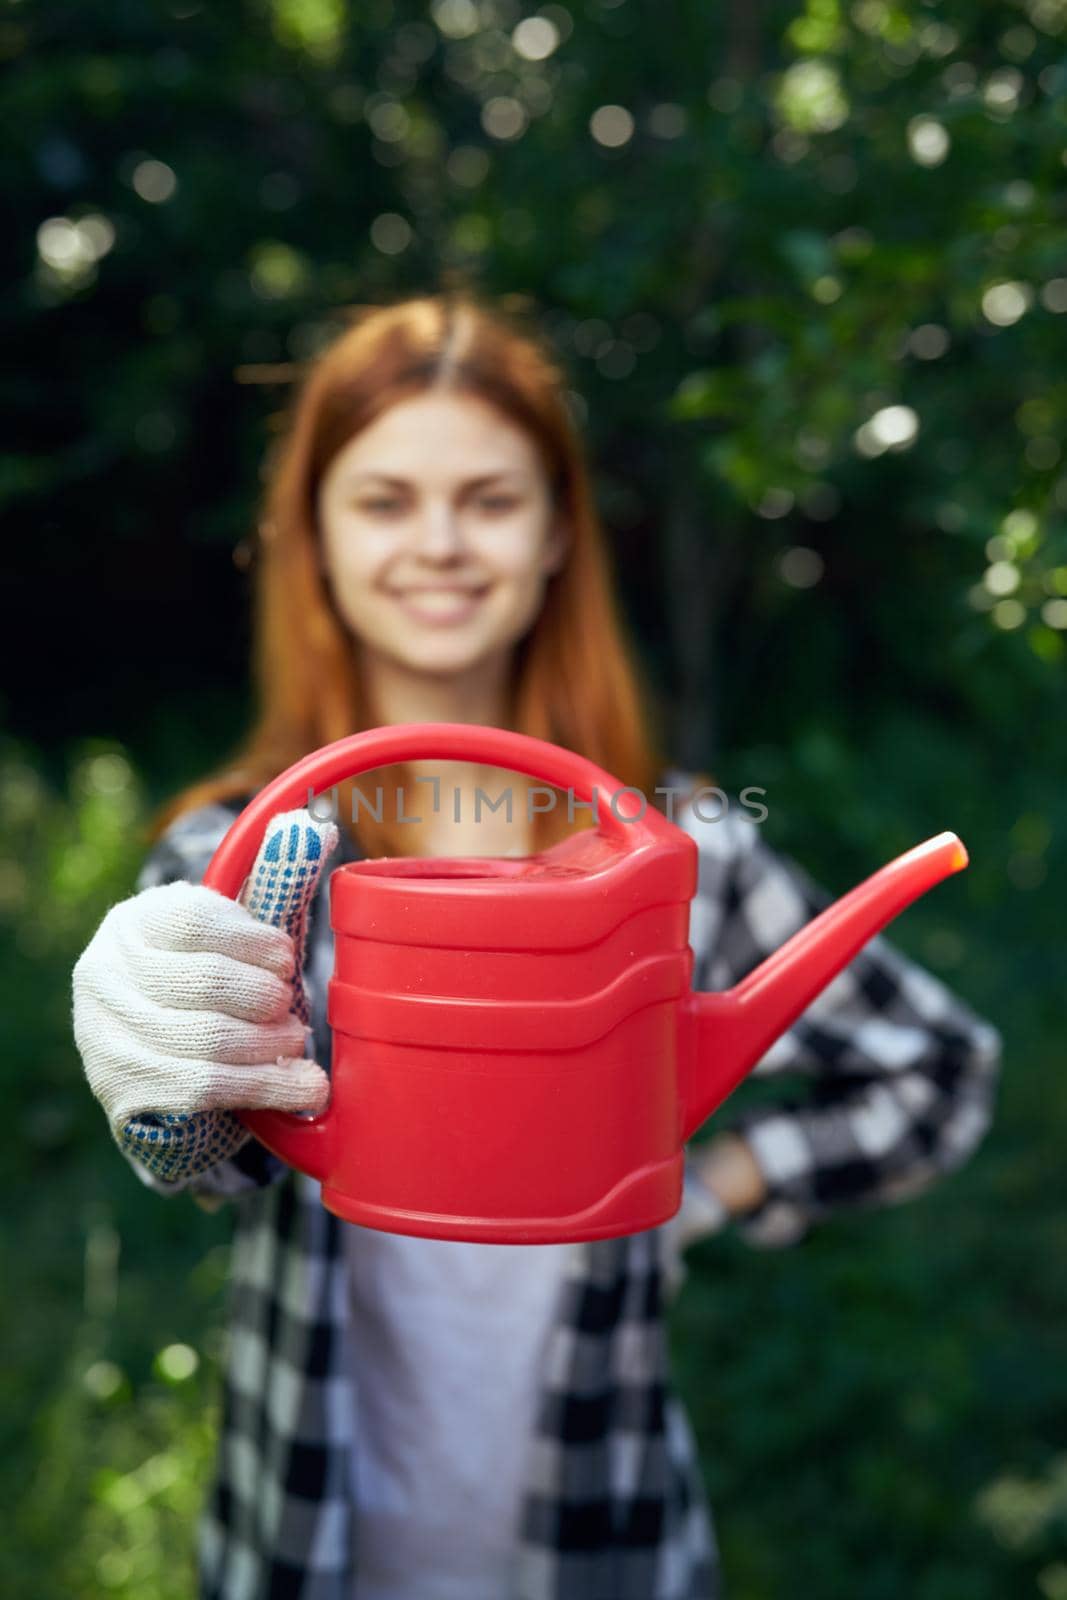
x=466, y=485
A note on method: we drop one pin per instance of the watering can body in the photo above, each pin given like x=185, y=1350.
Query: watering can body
x=518, y=1054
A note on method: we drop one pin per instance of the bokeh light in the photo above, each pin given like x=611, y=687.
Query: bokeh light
x=611, y=126
x=154, y=181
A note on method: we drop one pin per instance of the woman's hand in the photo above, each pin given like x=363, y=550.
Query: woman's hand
x=182, y=1003
x=728, y=1168
x=721, y=1181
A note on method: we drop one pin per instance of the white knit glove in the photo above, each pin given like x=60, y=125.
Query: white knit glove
x=188, y=1004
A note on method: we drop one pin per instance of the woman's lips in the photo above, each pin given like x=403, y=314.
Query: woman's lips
x=440, y=607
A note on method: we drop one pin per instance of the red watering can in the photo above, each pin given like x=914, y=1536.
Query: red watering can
x=518, y=1056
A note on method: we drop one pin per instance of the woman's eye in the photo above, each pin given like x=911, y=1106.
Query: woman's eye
x=381, y=505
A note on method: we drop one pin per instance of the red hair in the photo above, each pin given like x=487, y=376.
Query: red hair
x=574, y=682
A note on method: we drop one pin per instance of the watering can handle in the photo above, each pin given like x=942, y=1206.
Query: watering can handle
x=410, y=741
x=305, y=1142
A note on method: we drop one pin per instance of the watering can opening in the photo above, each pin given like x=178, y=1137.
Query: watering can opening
x=442, y=867
x=581, y=855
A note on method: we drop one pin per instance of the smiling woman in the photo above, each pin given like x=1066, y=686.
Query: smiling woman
x=439, y=516
x=434, y=1419
x=431, y=553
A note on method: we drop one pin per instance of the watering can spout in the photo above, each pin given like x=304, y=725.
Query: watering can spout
x=729, y=1033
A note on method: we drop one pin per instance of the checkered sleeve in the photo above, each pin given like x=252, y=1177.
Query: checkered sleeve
x=901, y=1072
x=209, y=1154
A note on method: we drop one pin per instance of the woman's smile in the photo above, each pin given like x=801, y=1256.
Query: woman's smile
x=440, y=605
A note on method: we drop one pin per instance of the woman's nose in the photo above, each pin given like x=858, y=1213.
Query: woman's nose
x=438, y=533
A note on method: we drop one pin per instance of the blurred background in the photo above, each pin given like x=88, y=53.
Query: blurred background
x=806, y=266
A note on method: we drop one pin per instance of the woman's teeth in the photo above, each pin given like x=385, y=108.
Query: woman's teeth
x=441, y=605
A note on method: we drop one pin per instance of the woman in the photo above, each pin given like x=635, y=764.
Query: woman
x=411, y=1419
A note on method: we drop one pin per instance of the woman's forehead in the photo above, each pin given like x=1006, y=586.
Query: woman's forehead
x=439, y=435
x=445, y=423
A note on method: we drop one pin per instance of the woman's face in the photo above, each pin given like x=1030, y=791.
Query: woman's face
x=438, y=533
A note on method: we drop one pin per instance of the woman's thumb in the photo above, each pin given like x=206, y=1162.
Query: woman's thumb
x=295, y=1085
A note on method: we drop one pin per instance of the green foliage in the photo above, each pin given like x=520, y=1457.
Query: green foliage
x=804, y=264
x=110, y=1366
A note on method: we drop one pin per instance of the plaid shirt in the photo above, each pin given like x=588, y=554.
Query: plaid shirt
x=904, y=1075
